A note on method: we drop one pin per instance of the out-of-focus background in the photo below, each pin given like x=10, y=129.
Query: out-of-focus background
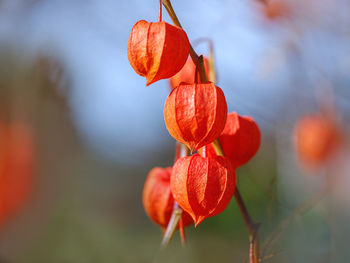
x=83, y=130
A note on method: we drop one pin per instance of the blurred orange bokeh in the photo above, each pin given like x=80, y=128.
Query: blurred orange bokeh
x=317, y=138
x=16, y=168
x=276, y=9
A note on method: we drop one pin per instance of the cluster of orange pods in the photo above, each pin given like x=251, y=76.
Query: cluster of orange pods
x=195, y=114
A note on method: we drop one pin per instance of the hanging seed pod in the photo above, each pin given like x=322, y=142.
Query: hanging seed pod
x=157, y=198
x=187, y=73
x=195, y=114
x=16, y=168
x=240, y=139
x=316, y=139
x=157, y=50
x=203, y=186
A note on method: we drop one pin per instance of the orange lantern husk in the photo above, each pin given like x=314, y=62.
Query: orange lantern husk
x=187, y=73
x=195, y=114
x=316, y=139
x=203, y=186
x=158, y=200
x=157, y=50
x=240, y=139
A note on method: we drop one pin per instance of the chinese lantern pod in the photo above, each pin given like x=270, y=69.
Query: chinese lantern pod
x=16, y=169
x=240, y=139
x=188, y=73
x=316, y=139
x=202, y=186
x=157, y=50
x=157, y=198
x=195, y=114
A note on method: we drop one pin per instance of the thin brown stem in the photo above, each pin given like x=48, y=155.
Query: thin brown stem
x=201, y=73
x=160, y=11
x=251, y=226
x=168, y=6
x=252, y=229
x=212, y=71
x=171, y=12
x=211, y=60
x=201, y=70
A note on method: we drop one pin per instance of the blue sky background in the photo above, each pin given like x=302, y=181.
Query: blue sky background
x=257, y=67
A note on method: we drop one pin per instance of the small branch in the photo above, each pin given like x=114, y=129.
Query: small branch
x=171, y=12
x=169, y=8
x=211, y=70
x=160, y=11
x=251, y=226
x=174, y=220
x=252, y=229
x=202, y=74
x=180, y=151
x=201, y=70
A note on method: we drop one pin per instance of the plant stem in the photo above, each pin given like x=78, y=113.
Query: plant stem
x=181, y=151
x=251, y=226
x=201, y=69
x=174, y=220
x=160, y=11
x=211, y=60
x=202, y=74
x=244, y=211
x=252, y=229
